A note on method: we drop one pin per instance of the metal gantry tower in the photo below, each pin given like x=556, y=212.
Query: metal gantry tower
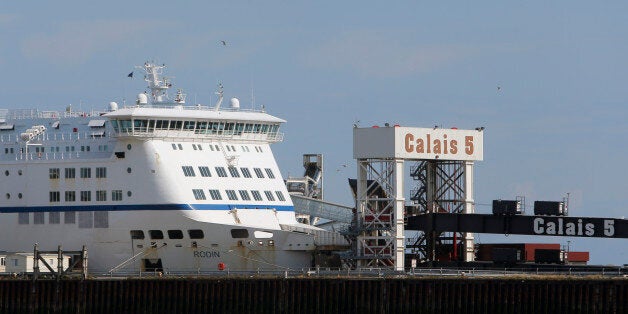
x=442, y=186
x=444, y=171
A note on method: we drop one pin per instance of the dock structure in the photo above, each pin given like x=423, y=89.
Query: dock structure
x=444, y=172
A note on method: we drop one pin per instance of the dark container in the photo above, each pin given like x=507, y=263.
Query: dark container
x=548, y=256
x=506, y=207
x=506, y=255
x=550, y=208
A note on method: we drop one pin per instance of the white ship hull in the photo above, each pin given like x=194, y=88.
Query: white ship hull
x=150, y=187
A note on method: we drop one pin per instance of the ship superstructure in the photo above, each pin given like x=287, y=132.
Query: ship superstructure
x=156, y=185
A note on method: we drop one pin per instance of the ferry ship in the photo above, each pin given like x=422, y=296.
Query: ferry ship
x=159, y=185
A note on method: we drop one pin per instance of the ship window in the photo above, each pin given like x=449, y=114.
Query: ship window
x=244, y=195
x=204, y=170
x=119, y=154
x=101, y=219
x=245, y=172
x=270, y=173
x=231, y=194
x=156, y=234
x=129, y=193
x=199, y=194
x=6, y=173
x=69, y=217
x=180, y=146
x=194, y=146
x=128, y=170
x=8, y=195
x=196, y=234
x=175, y=234
x=221, y=172
x=101, y=196
x=211, y=147
x=280, y=196
x=200, y=147
x=234, y=172
x=188, y=171
x=215, y=194
x=256, y=195
x=85, y=220
x=55, y=196
x=70, y=196
x=116, y=195
x=54, y=173
x=114, y=123
x=23, y=218
x=161, y=125
x=140, y=125
x=86, y=173
x=70, y=173
x=19, y=195
x=239, y=233
x=38, y=218
x=258, y=172
x=269, y=196
x=86, y=196
x=137, y=234
x=101, y=172
x=54, y=218
x=217, y=148
x=260, y=149
x=174, y=146
x=201, y=127
x=189, y=125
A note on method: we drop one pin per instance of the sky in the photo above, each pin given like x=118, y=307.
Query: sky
x=556, y=124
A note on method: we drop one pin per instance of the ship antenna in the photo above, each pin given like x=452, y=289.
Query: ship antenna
x=219, y=93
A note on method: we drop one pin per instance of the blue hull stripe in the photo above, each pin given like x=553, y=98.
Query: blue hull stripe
x=140, y=207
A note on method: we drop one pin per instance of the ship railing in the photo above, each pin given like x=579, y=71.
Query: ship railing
x=224, y=135
x=370, y=272
x=20, y=114
x=196, y=107
x=61, y=155
x=57, y=137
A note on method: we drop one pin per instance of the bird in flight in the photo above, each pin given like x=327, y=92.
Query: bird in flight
x=224, y=43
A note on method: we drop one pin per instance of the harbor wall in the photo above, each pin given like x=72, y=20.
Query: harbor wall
x=315, y=295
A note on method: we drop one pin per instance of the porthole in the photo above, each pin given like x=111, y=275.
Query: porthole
x=128, y=146
x=129, y=193
x=128, y=170
x=19, y=195
x=8, y=196
x=19, y=172
x=6, y=172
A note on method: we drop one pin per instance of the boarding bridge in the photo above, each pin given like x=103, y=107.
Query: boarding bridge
x=322, y=209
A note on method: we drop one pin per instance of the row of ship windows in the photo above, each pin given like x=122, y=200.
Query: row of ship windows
x=57, y=149
x=216, y=148
x=198, y=127
x=178, y=234
x=70, y=173
x=199, y=194
x=86, y=196
x=188, y=171
x=86, y=219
